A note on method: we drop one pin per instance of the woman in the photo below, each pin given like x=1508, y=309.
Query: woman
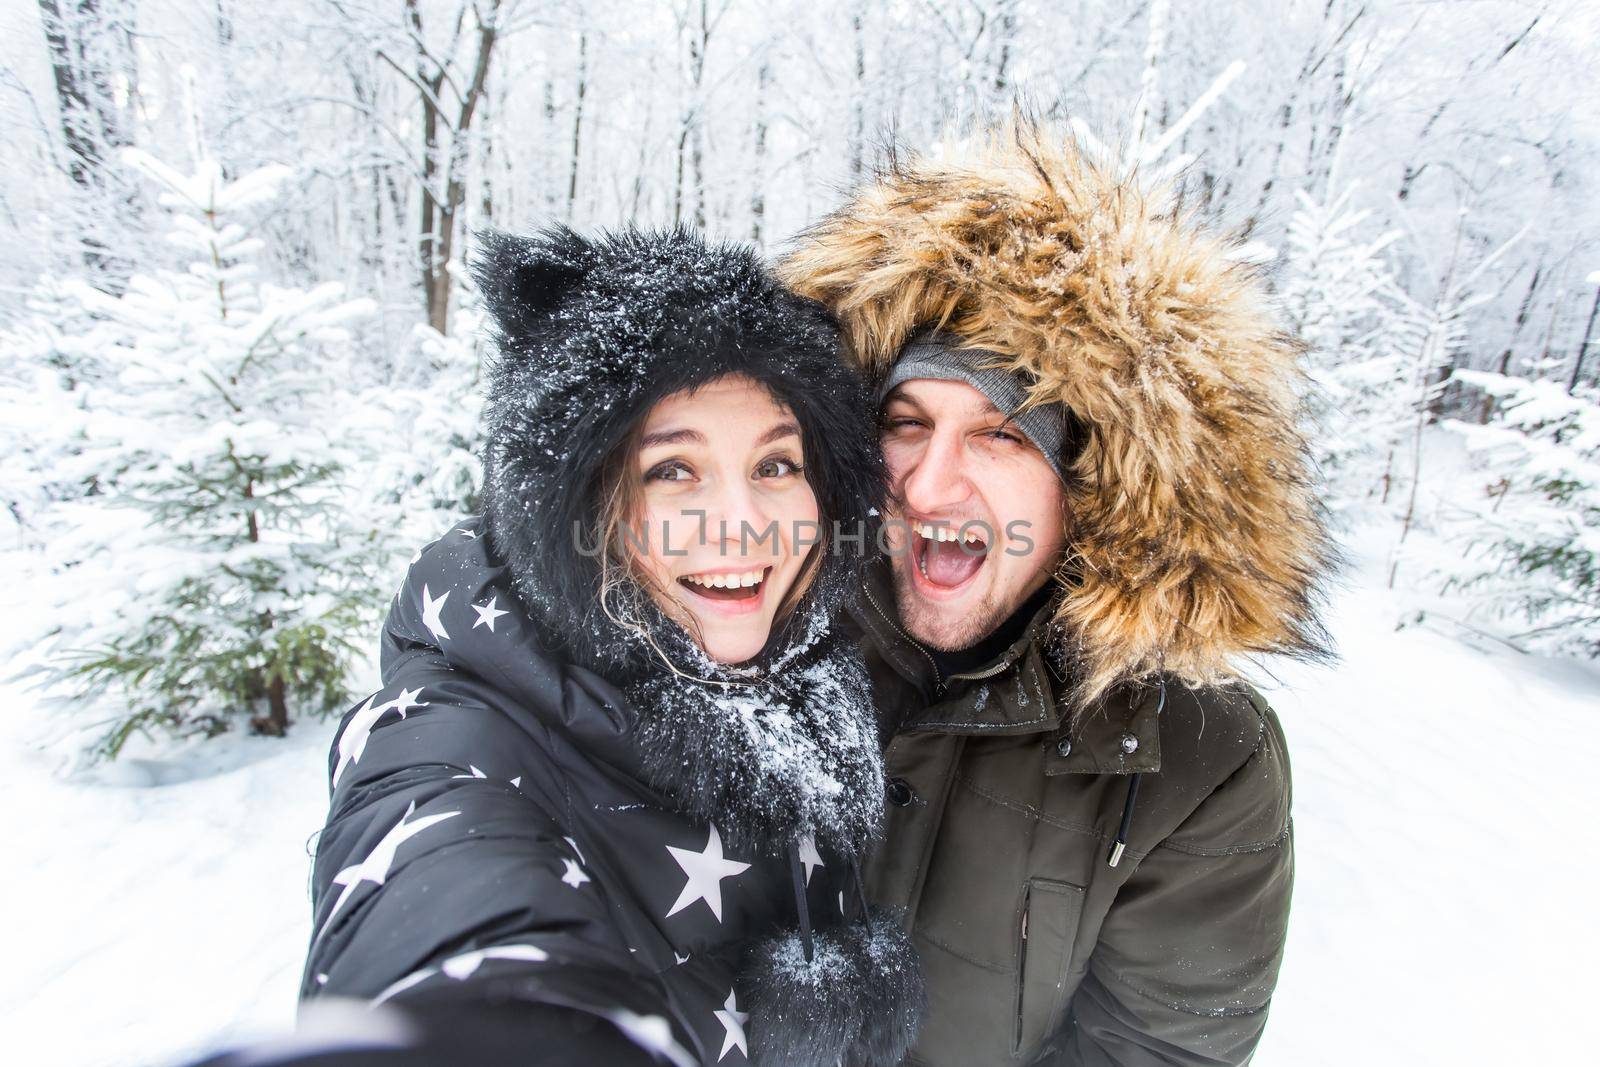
x=609, y=805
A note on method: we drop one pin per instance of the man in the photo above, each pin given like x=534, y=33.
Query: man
x=1102, y=501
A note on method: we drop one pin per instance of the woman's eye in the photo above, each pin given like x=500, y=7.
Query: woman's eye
x=671, y=471
x=777, y=468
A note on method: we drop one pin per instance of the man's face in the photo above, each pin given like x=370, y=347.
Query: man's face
x=956, y=467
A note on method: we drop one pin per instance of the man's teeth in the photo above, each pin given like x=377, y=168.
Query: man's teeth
x=945, y=533
x=728, y=581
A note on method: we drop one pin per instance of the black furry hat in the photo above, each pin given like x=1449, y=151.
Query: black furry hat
x=591, y=334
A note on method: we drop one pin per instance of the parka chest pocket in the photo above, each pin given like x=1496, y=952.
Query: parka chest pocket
x=1046, y=931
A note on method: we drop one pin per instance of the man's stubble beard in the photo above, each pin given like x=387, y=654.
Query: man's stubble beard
x=925, y=626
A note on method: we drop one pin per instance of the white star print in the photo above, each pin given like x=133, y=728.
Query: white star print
x=706, y=870
x=475, y=773
x=574, y=876
x=732, y=1020
x=430, y=613
x=375, y=868
x=653, y=1034
x=575, y=848
x=517, y=781
x=353, y=742
x=468, y=534
x=414, y=978
x=462, y=967
x=407, y=700
x=808, y=856
x=487, y=613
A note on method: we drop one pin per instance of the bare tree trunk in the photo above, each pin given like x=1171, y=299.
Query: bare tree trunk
x=436, y=238
x=577, y=121
x=758, y=197
x=547, y=184
x=486, y=163
x=1005, y=40
x=691, y=139
x=90, y=126
x=698, y=44
x=1487, y=408
x=1583, y=346
x=429, y=222
x=858, y=104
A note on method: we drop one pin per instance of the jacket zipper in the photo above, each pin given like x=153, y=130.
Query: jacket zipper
x=1022, y=969
x=938, y=683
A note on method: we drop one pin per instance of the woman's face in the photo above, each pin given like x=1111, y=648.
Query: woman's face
x=728, y=515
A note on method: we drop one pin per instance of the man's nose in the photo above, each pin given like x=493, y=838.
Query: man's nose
x=936, y=478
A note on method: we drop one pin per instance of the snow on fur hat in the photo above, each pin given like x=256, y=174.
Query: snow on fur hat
x=1194, y=529
x=591, y=333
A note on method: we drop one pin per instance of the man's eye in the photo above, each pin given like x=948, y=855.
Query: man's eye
x=1003, y=435
x=670, y=471
x=901, y=423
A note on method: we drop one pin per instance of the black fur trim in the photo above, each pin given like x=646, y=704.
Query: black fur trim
x=860, y=1000
x=894, y=995
x=788, y=754
x=590, y=334
x=802, y=1014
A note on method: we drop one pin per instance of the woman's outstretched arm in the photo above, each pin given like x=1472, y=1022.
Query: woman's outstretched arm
x=439, y=880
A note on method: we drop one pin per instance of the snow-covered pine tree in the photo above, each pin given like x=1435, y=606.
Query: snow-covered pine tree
x=1340, y=297
x=1531, y=543
x=435, y=399
x=217, y=572
x=49, y=364
x=1434, y=336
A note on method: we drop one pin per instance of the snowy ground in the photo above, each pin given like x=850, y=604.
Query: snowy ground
x=1444, y=798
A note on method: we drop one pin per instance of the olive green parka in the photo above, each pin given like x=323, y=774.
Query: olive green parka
x=1091, y=834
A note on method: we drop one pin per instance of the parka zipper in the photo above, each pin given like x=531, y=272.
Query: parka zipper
x=1022, y=969
x=938, y=683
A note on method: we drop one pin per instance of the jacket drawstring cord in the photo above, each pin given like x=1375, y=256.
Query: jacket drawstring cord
x=802, y=909
x=1121, y=844
x=861, y=894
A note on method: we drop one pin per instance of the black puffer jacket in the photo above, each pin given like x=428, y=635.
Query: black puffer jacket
x=535, y=810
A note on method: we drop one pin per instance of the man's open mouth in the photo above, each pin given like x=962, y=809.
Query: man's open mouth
x=726, y=585
x=945, y=555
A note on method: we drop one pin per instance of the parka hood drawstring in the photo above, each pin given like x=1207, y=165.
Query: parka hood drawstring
x=1121, y=843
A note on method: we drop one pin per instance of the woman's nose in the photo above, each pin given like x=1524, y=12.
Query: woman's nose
x=733, y=516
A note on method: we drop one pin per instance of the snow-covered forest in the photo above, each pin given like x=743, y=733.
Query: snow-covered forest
x=239, y=387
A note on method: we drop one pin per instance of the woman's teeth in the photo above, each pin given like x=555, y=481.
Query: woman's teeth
x=728, y=581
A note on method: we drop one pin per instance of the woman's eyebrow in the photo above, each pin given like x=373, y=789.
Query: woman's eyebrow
x=672, y=437
x=782, y=430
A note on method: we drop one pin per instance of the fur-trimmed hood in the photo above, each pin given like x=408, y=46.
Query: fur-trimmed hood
x=590, y=333
x=1194, y=530
x=777, y=759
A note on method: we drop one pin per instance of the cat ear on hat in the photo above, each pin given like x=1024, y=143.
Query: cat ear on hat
x=524, y=279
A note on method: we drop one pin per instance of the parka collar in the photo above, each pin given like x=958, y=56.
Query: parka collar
x=1021, y=691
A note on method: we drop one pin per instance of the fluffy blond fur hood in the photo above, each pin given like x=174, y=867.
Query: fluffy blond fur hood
x=1195, y=534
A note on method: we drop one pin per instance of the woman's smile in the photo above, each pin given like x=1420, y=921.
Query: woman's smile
x=735, y=592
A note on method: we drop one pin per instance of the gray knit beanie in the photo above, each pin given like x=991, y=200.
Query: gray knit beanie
x=935, y=354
